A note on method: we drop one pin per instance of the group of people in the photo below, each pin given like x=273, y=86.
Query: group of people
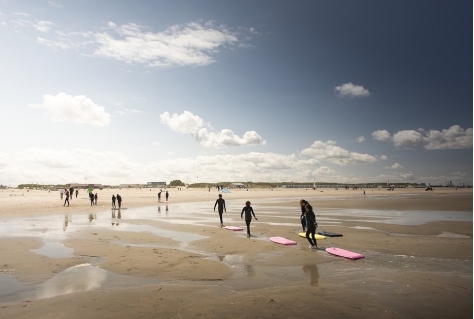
x=167, y=195
x=67, y=193
x=118, y=199
x=93, y=197
x=248, y=210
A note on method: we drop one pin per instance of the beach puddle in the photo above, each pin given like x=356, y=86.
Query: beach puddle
x=54, y=250
x=83, y=277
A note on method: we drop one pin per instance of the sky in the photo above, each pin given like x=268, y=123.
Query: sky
x=117, y=92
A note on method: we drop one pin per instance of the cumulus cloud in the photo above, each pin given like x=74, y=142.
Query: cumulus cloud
x=381, y=135
x=360, y=139
x=351, y=90
x=331, y=152
x=408, y=177
x=188, y=123
x=453, y=138
x=394, y=166
x=383, y=157
x=77, y=109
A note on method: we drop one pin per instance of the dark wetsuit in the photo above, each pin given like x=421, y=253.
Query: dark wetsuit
x=67, y=199
x=248, y=216
x=167, y=195
x=303, y=217
x=119, y=201
x=159, y=196
x=91, y=197
x=220, y=203
x=113, y=201
x=311, y=228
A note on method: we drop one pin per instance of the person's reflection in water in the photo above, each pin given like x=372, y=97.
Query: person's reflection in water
x=166, y=210
x=221, y=257
x=313, y=273
x=250, y=271
x=66, y=222
x=113, y=217
x=119, y=216
x=159, y=209
x=91, y=217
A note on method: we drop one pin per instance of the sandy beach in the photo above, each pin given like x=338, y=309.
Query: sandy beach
x=172, y=260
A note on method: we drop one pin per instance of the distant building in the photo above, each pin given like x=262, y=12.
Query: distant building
x=156, y=184
x=86, y=186
x=131, y=185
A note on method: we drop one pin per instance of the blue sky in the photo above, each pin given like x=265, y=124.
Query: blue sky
x=205, y=91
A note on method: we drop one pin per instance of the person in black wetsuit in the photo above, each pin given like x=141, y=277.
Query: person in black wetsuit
x=220, y=203
x=113, y=201
x=67, y=198
x=91, y=197
x=303, y=213
x=119, y=201
x=248, y=215
x=159, y=196
x=311, y=226
x=167, y=195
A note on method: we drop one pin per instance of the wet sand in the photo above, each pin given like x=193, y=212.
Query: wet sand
x=171, y=260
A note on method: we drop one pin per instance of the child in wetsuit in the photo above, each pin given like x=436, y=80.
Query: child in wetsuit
x=248, y=215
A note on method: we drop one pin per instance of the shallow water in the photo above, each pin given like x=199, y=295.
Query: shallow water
x=54, y=229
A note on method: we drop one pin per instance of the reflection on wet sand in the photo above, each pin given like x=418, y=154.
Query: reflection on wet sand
x=313, y=273
x=250, y=271
x=66, y=222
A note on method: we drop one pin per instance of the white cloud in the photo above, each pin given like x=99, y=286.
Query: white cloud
x=23, y=14
x=76, y=109
x=53, y=4
x=360, y=139
x=188, y=123
x=453, y=138
x=394, y=166
x=192, y=44
x=156, y=144
x=408, y=177
x=331, y=152
x=128, y=111
x=351, y=90
x=381, y=135
x=383, y=157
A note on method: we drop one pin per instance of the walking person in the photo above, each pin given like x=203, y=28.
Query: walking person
x=159, y=196
x=113, y=201
x=119, y=201
x=303, y=213
x=248, y=215
x=91, y=197
x=311, y=226
x=67, y=198
x=61, y=193
x=167, y=195
x=71, y=192
x=95, y=199
x=220, y=203
x=77, y=192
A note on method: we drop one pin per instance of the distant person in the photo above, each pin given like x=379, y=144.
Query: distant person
x=220, y=203
x=311, y=226
x=119, y=201
x=95, y=199
x=91, y=197
x=71, y=192
x=113, y=201
x=61, y=193
x=303, y=213
x=248, y=215
x=159, y=196
x=77, y=192
x=67, y=198
x=167, y=195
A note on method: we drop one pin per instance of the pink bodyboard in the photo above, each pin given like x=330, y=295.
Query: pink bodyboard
x=344, y=253
x=283, y=241
x=234, y=228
